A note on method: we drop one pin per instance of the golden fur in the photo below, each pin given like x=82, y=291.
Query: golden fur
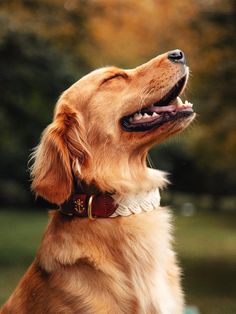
x=115, y=265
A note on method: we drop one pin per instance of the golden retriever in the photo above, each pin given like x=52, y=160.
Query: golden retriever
x=121, y=261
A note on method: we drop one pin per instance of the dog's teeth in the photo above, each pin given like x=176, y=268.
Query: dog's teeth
x=137, y=116
x=140, y=116
x=155, y=114
x=130, y=119
x=146, y=115
x=187, y=103
x=179, y=102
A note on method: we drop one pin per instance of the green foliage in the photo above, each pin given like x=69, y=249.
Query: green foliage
x=33, y=76
x=213, y=140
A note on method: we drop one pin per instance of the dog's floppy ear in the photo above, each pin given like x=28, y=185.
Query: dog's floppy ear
x=62, y=146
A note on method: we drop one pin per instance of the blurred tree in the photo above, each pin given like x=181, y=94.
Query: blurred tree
x=33, y=74
x=39, y=58
x=45, y=45
x=129, y=32
x=213, y=140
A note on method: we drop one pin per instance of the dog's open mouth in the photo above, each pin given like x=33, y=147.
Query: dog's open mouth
x=168, y=108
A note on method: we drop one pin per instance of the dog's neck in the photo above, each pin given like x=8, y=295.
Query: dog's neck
x=89, y=201
x=137, y=203
x=144, y=201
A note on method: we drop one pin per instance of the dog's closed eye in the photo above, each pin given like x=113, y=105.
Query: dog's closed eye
x=115, y=75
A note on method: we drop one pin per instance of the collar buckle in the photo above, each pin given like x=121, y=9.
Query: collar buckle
x=90, y=208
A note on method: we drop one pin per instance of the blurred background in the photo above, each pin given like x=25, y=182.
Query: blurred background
x=46, y=45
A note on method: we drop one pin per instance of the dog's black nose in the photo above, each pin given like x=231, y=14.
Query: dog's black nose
x=176, y=56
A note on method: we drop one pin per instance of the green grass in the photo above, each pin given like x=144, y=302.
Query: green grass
x=20, y=234
x=205, y=242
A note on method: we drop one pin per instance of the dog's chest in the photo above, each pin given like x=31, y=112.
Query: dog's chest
x=121, y=265
x=152, y=277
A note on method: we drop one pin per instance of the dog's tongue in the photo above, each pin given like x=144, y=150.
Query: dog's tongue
x=175, y=105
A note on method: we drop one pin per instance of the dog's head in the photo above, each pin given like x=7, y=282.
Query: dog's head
x=104, y=125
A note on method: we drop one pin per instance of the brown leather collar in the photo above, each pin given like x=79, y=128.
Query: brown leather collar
x=90, y=206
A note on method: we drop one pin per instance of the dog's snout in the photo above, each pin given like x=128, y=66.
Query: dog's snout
x=176, y=56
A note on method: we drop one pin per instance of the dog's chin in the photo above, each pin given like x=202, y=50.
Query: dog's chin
x=169, y=110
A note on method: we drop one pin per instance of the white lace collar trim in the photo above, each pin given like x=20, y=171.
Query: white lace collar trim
x=137, y=203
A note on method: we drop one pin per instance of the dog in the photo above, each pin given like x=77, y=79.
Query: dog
x=108, y=247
